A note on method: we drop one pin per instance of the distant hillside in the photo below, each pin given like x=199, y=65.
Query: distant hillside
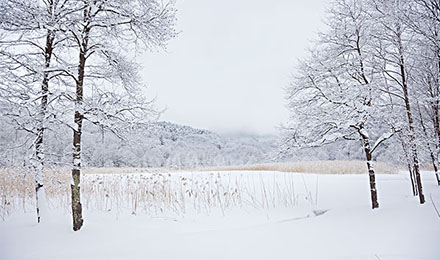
x=165, y=144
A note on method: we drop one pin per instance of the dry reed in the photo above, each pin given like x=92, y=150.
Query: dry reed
x=151, y=193
x=164, y=191
x=322, y=167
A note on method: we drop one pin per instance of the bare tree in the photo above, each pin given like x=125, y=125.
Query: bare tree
x=30, y=35
x=395, y=50
x=102, y=33
x=336, y=94
x=38, y=42
x=423, y=19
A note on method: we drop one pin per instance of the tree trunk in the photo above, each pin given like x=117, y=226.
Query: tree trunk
x=431, y=152
x=39, y=152
x=408, y=164
x=413, y=148
x=411, y=132
x=436, y=116
x=434, y=154
x=76, y=170
x=434, y=165
x=76, y=155
x=364, y=134
x=371, y=174
x=77, y=132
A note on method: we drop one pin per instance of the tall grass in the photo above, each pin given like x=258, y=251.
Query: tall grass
x=155, y=193
x=168, y=191
x=323, y=167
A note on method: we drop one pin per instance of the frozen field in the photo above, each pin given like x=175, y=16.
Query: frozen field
x=229, y=215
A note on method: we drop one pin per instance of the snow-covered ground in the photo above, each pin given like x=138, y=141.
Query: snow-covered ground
x=323, y=217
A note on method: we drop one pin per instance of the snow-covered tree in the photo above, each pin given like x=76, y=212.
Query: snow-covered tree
x=103, y=34
x=375, y=72
x=396, y=52
x=423, y=19
x=86, y=49
x=30, y=31
x=335, y=94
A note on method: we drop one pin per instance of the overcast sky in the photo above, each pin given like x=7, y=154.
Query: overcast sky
x=227, y=68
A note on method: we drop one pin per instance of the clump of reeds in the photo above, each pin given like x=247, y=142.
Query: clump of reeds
x=156, y=193
x=323, y=167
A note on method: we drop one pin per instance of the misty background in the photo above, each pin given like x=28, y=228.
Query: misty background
x=227, y=69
